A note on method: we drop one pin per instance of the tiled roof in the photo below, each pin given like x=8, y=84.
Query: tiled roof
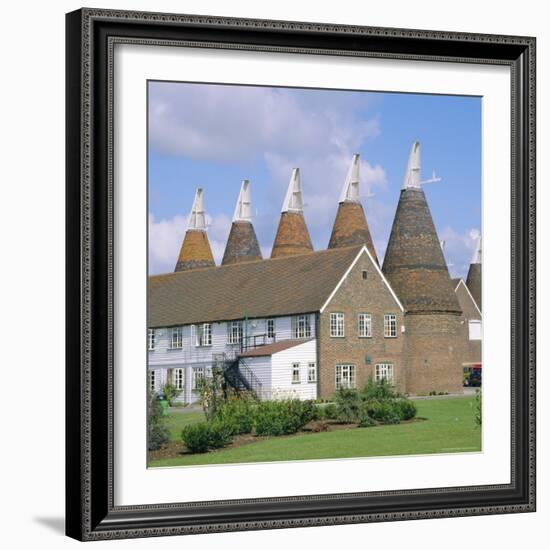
x=275, y=287
x=292, y=236
x=414, y=263
x=242, y=244
x=271, y=349
x=350, y=228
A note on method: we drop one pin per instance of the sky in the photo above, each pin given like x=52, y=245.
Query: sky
x=213, y=136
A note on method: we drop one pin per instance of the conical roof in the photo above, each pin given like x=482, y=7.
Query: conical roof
x=350, y=226
x=414, y=263
x=473, y=281
x=195, y=249
x=292, y=236
x=242, y=244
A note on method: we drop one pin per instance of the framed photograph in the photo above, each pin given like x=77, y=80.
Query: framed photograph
x=300, y=274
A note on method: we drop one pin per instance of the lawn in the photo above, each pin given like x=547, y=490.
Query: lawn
x=449, y=427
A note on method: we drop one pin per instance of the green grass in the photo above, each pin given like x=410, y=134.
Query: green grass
x=176, y=421
x=449, y=427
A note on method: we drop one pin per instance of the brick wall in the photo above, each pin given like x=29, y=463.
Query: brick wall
x=353, y=297
x=433, y=352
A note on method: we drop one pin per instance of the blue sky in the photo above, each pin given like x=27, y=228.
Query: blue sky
x=214, y=136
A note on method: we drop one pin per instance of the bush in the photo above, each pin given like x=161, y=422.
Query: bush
x=348, y=405
x=330, y=411
x=366, y=422
x=381, y=390
x=406, y=409
x=221, y=434
x=157, y=432
x=158, y=436
x=385, y=412
x=283, y=417
x=238, y=414
x=170, y=393
x=196, y=437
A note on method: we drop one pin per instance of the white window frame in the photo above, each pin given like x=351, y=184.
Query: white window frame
x=390, y=325
x=384, y=370
x=178, y=378
x=270, y=329
x=312, y=372
x=203, y=335
x=151, y=336
x=364, y=325
x=234, y=332
x=345, y=376
x=337, y=325
x=199, y=373
x=301, y=327
x=295, y=373
x=176, y=338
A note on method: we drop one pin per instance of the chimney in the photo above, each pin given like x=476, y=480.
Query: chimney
x=242, y=244
x=414, y=262
x=195, y=250
x=292, y=236
x=350, y=226
x=473, y=281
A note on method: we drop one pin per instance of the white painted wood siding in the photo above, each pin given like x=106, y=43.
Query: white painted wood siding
x=281, y=371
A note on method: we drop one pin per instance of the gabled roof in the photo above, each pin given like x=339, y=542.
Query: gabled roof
x=266, y=288
x=271, y=349
x=460, y=285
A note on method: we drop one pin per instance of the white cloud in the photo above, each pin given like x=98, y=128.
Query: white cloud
x=459, y=249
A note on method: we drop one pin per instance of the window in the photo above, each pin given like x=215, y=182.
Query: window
x=337, y=325
x=345, y=376
x=311, y=372
x=384, y=371
x=364, y=274
x=234, y=332
x=295, y=373
x=365, y=325
x=178, y=378
x=474, y=330
x=199, y=373
x=270, y=328
x=390, y=325
x=301, y=326
x=176, y=341
x=153, y=380
x=151, y=339
x=203, y=335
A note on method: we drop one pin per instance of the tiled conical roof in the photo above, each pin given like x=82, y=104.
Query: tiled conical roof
x=242, y=244
x=350, y=226
x=414, y=263
x=473, y=281
x=292, y=236
x=195, y=249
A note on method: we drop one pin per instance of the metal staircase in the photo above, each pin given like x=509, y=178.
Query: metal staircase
x=237, y=374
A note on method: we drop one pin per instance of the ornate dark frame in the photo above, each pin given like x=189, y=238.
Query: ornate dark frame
x=90, y=510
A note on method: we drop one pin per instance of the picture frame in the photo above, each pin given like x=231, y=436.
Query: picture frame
x=91, y=511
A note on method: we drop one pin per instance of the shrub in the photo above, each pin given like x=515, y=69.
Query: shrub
x=283, y=417
x=406, y=409
x=170, y=393
x=330, y=411
x=196, y=437
x=348, y=405
x=478, y=412
x=381, y=390
x=157, y=432
x=383, y=411
x=221, y=434
x=366, y=422
x=238, y=414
